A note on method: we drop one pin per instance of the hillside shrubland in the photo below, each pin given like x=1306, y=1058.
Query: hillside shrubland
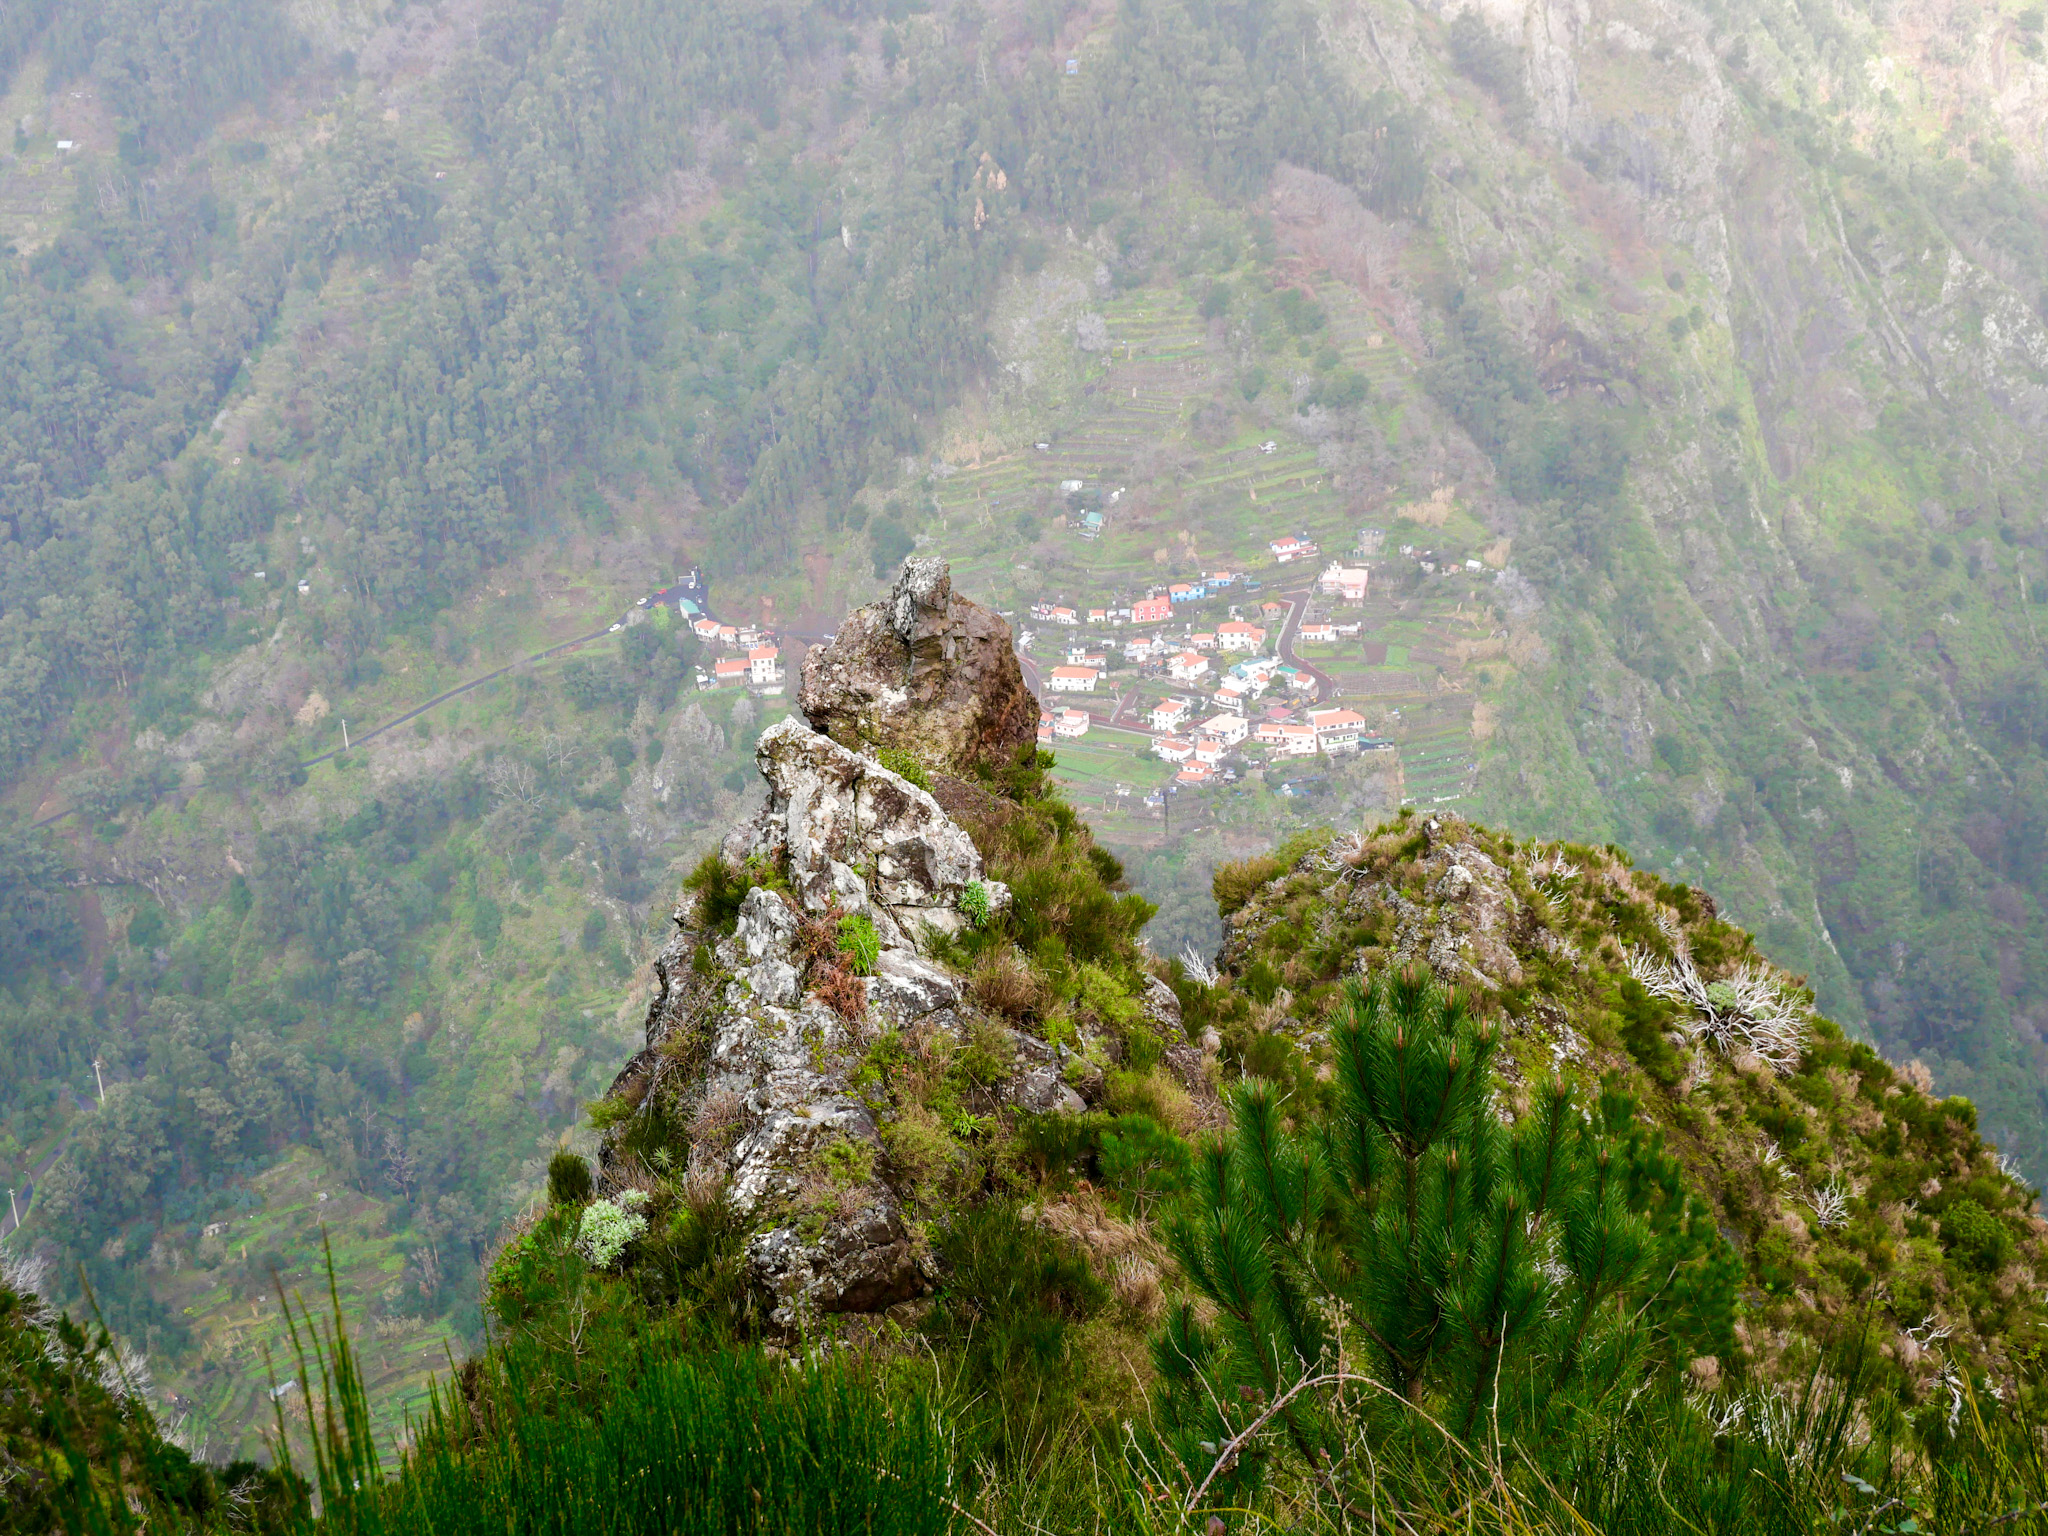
x=1722, y=329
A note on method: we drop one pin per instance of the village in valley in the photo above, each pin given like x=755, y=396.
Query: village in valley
x=1225, y=676
x=1333, y=648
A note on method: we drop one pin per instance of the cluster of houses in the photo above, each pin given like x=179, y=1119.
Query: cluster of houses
x=1155, y=607
x=1062, y=724
x=1201, y=749
x=753, y=659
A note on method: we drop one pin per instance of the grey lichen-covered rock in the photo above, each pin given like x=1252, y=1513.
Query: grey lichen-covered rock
x=865, y=1261
x=926, y=672
x=765, y=1073
x=905, y=987
x=846, y=830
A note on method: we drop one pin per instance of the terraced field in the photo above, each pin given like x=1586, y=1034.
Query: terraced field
x=307, y=1210
x=1131, y=423
x=1437, y=761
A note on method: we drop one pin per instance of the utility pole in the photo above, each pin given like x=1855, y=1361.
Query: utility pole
x=99, y=1082
x=13, y=1209
x=344, y=735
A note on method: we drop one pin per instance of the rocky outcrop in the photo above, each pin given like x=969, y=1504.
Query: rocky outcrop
x=744, y=1050
x=926, y=672
x=846, y=830
x=1466, y=926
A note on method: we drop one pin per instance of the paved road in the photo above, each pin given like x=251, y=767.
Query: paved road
x=1297, y=605
x=357, y=738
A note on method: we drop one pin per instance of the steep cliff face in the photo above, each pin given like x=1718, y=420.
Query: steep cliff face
x=827, y=951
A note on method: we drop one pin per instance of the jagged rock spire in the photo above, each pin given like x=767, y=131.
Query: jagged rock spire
x=925, y=671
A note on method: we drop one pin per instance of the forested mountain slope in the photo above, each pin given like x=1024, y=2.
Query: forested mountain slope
x=1713, y=335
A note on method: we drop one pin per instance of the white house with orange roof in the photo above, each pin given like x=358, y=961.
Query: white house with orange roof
x=1188, y=666
x=1175, y=749
x=1337, y=730
x=1239, y=636
x=1070, y=722
x=1288, y=549
x=1209, y=750
x=1286, y=739
x=764, y=664
x=1196, y=773
x=1170, y=714
x=730, y=669
x=1348, y=582
x=1317, y=634
x=1073, y=679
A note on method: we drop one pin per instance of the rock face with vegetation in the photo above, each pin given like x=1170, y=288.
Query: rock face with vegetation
x=1849, y=1194
x=924, y=671
x=846, y=938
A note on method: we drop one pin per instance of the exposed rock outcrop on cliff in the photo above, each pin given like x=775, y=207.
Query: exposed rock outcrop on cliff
x=925, y=672
x=773, y=1038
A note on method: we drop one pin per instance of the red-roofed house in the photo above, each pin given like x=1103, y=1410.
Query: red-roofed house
x=1151, y=610
x=1073, y=679
x=1070, y=722
x=1175, y=749
x=1317, y=634
x=1188, y=666
x=730, y=669
x=1196, y=773
x=1209, y=750
x=763, y=664
x=1289, y=549
x=1235, y=636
